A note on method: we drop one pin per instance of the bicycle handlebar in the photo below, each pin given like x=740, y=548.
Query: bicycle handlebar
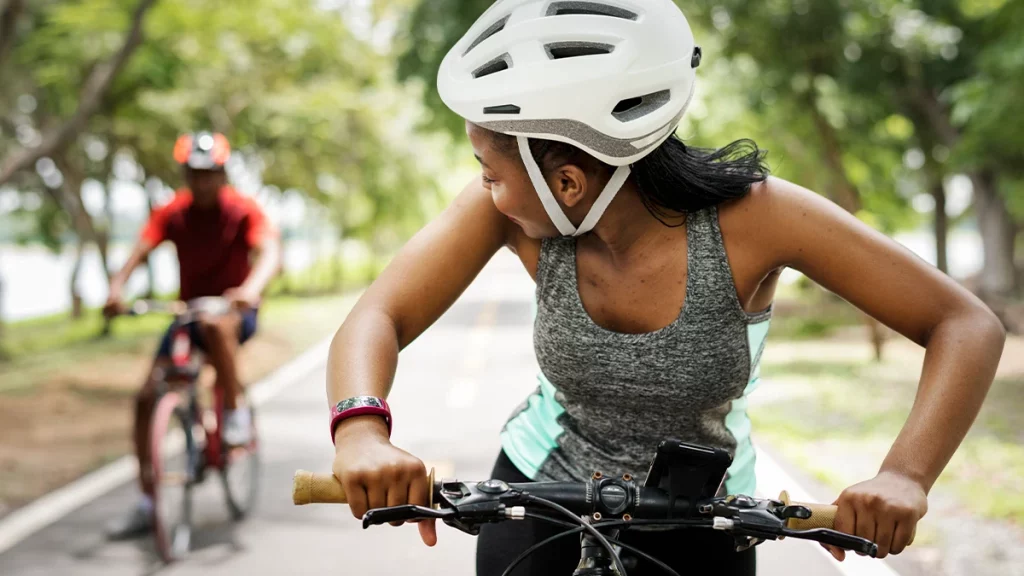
x=470, y=504
x=186, y=312
x=310, y=488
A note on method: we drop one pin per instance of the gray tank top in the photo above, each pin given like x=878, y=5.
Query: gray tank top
x=606, y=398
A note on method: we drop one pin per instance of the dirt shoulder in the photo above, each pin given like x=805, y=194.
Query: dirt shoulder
x=66, y=412
x=833, y=412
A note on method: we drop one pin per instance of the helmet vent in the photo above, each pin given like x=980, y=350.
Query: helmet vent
x=491, y=31
x=503, y=62
x=503, y=109
x=560, y=50
x=590, y=9
x=640, y=106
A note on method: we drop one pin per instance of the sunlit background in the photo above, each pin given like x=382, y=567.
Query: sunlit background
x=907, y=113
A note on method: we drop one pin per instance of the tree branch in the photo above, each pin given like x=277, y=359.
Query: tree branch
x=845, y=192
x=69, y=197
x=8, y=21
x=93, y=91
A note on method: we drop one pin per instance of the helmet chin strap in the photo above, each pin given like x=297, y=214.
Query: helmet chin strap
x=547, y=198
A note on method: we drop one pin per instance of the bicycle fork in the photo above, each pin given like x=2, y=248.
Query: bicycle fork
x=595, y=559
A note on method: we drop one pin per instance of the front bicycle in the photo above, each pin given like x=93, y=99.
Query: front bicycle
x=600, y=508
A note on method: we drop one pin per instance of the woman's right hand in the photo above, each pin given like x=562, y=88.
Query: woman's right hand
x=376, y=474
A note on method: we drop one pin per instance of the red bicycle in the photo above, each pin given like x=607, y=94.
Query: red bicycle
x=185, y=434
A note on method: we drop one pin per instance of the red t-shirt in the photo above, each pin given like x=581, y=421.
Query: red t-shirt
x=213, y=243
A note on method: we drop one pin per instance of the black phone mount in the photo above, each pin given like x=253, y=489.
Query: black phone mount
x=688, y=473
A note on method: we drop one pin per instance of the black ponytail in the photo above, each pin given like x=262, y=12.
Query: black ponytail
x=674, y=179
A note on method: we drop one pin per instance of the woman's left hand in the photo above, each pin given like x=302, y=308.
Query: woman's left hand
x=885, y=510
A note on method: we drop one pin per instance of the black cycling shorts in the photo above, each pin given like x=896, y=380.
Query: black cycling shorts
x=245, y=331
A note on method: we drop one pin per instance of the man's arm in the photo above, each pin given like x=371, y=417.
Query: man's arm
x=268, y=264
x=117, y=281
x=266, y=247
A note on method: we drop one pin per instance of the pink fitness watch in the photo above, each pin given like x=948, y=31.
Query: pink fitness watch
x=359, y=406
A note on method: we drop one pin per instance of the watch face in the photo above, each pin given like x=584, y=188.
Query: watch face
x=359, y=402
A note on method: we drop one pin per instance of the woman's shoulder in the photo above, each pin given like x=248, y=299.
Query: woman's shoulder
x=527, y=249
x=474, y=209
x=769, y=203
x=760, y=223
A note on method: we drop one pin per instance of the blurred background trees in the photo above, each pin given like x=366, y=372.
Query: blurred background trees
x=94, y=93
x=905, y=112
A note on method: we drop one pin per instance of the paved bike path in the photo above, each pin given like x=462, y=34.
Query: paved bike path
x=454, y=389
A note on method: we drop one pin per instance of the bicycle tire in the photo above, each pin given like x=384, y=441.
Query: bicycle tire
x=240, y=475
x=173, y=457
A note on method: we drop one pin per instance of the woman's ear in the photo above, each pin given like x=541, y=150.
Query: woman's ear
x=569, y=184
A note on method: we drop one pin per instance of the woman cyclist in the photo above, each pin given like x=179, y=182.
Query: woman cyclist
x=656, y=264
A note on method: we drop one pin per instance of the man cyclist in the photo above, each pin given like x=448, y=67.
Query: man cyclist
x=226, y=247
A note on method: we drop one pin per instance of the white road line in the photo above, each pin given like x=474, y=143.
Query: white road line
x=463, y=391
x=28, y=520
x=772, y=479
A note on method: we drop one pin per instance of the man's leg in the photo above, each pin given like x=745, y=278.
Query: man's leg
x=139, y=520
x=220, y=339
x=145, y=401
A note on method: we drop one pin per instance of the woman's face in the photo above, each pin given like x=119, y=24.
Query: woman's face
x=504, y=175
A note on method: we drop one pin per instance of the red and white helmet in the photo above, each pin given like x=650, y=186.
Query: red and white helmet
x=612, y=77
x=202, y=150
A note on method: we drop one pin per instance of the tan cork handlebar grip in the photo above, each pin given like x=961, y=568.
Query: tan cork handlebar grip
x=310, y=488
x=822, y=515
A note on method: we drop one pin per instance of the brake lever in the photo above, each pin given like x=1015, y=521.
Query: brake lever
x=405, y=513
x=834, y=538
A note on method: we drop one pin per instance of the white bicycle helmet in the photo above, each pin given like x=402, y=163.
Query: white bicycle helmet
x=612, y=77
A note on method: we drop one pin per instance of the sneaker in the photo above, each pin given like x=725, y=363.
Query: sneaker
x=138, y=522
x=238, y=426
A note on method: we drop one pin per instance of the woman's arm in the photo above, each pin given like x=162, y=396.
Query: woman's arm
x=963, y=338
x=422, y=282
x=426, y=277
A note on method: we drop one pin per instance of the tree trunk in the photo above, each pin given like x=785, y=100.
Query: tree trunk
x=998, y=275
x=150, y=273
x=846, y=195
x=287, y=288
x=103, y=244
x=70, y=199
x=94, y=88
x=941, y=226
x=844, y=192
x=9, y=14
x=3, y=350
x=76, y=297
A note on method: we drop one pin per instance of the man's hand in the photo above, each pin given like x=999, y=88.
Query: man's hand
x=115, y=303
x=243, y=298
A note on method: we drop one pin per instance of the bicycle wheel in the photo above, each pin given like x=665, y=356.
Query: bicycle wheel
x=241, y=474
x=173, y=455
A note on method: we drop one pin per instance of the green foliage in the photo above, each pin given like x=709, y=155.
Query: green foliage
x=308, y=101
x=431, y=30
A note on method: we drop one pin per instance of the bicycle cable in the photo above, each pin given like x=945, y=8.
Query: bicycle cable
x=601, y=538
x=573, y=529
x=529, y=551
